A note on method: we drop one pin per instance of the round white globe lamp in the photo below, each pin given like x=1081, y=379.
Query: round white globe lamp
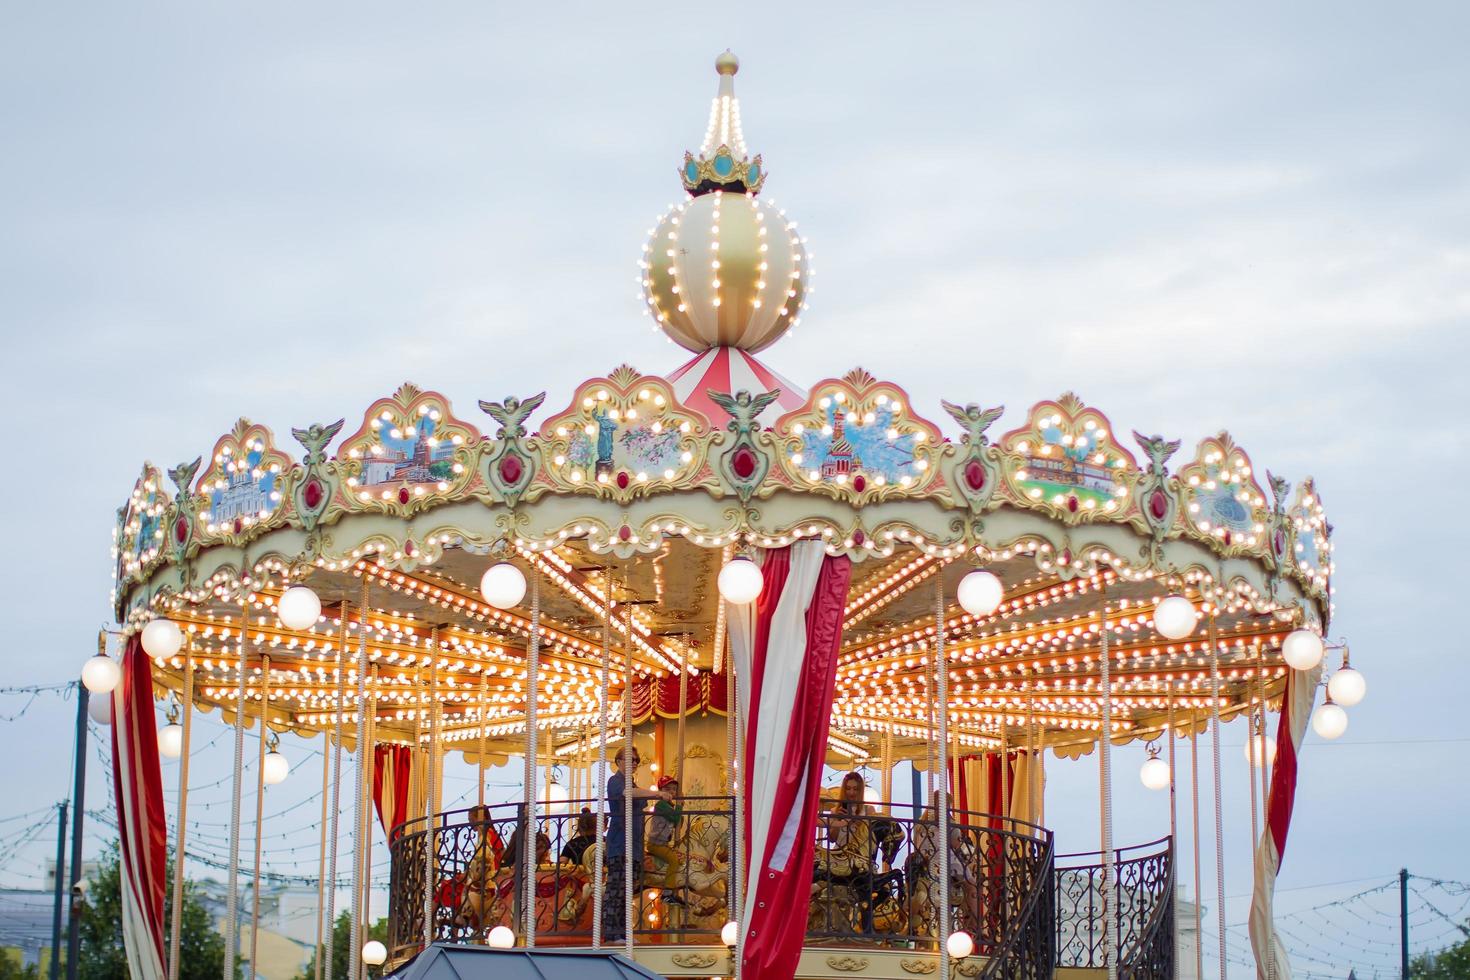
x=100, y=709
x=959, y=945
x=503, y=585
x=980, y=594
x=162, y=638
x=1175, y=617
x=171, y=740
x=502, y=938
x=1329, y=721
x=1154, y=773
x=100, y=674
x=1253, y=752
x=299, y=608
x=740, y=581
x=730, y=933
x=374, y=953
x=276, y=768
x=1302, y=649
x=1347, y=687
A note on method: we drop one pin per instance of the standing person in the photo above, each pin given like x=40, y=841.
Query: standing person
x=668, y=814
x=618, y=784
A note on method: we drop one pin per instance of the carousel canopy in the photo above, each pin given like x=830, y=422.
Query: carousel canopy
x=440, y=962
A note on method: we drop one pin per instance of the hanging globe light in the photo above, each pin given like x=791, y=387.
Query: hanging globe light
x=1302, y=649
x=959, y=945
x=556, y=798
x=740, y=581
x=171, y=740
x=100, y=709
x=1253, y=751
x=730, y=933
x=1155, y=771
x=1347, y=687
x=100, y=674
x=1175, y=617
x=374, y=953
x=1329, y=721
x=299, y=608
x=980, y=593
x=502, y=938
x=503, y=585
x=162, y=638
x=276, y=768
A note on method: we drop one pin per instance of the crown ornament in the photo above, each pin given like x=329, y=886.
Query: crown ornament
x=723, y=163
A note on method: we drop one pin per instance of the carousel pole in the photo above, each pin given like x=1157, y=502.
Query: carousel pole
x=941, y=669
x=176, y=926
x=321, y=854
x=1105, y=773
x=1199, y=949
x=232, y=885
x=1219, y=803
x=1173, y=804
x=1033, y=759
x=484, y=698
x=887, y=773
x=599, y=865
x=628, y=781
x=528, y=829
x=732, y=765
x=265, y=697
x=678, y=771
x=354, y=949
x=366, y=827
x=326, y=960
x=426, y=723
x=1265, y=783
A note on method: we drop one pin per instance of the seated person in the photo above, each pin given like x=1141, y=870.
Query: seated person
x=479, y=873
x=575, y=847
x=849, y=850
x=663, y=828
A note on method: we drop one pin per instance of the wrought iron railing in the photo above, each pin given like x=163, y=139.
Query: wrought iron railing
x=1142, y=909
x=874, y=881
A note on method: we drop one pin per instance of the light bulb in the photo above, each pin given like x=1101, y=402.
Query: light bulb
x=374, y=953
x=1253, y=751
x=502, y=938
x=1302, y=649
x=959, y=945
x=730, y=933
x=171, y=740
x=503, y=585
x=740, y=581
x=1175, y=617
x=979, y=594
x=1329, y=721
x=276, y=769
x=299, y=608
x=100, y=709
x=100, y=674
x=162, y=638
x=1154, y=773
x=1347, y=687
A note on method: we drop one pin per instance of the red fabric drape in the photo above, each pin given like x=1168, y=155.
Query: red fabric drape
x=778, y=922
x=142, y=825
x=392, y=772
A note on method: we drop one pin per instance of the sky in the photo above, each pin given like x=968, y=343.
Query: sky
x=1197, y=216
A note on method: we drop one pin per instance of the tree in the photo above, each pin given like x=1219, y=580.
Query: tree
x=341, y=939
x=201, y=947
x=1451, y=963
x=11, y=968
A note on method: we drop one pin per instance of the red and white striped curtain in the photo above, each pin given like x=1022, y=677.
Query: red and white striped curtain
x=1296, y=710
x=785, y=648
x=392, y=775
x=142, y=825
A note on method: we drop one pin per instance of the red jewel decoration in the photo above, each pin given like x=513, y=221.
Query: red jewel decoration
x=1067, y=556
x=743, y=463
x=975, y=475
x=239, y=525
x=623, y=481
x=312, y=494
x=1072, y=504
x=1158, y=505
x=511, y=469
x=625, y=532
x=858, y=483
x=181, y=530
x=1227, y=538
x=1278, y=541
x=408, y=548
x=857, y=536
x=403, y=495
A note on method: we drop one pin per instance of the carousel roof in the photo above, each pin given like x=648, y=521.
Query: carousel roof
x=446, y=962
x=622, y=502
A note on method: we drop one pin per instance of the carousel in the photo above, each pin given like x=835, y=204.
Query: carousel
x=679, y=604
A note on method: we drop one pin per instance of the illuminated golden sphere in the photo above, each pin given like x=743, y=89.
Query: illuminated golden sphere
x=725, y=269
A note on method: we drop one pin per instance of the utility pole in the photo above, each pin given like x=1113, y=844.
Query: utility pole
x=1404, y=923
x=60, y=890
x=78, y=796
